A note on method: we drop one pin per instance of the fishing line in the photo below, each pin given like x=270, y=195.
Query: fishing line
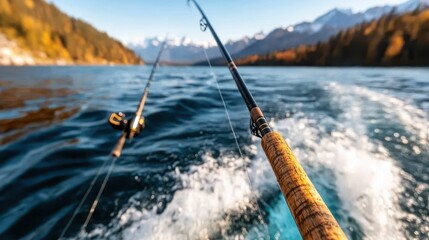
x=236, y=141
x=102, y=187
x=85, y=196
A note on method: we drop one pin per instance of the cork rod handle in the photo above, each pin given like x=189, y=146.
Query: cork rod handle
x=117, y=150
x=311, y=215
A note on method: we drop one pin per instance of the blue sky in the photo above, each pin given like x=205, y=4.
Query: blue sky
x=130, y=20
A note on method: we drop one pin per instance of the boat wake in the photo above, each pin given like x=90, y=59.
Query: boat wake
x=345, y=151
x=214, y=196
x=362, y=171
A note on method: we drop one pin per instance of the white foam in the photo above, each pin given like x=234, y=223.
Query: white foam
x=413, y=119
x=367, y=178
x=212, y=191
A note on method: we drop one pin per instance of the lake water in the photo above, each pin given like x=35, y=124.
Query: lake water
x=360, y=133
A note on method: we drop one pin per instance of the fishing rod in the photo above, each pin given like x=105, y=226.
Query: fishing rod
x=130, y=128
x=311, y=215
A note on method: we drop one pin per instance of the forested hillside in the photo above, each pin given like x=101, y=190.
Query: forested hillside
x=50, y=36
x=392, y=40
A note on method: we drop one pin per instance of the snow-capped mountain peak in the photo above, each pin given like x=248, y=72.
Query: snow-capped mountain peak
x=185, y=49
x=172, y=42
x=376, y=12
x=154, y=41
x=260, y=35
x=412, y=5
x=333, y=15
x=334, y=18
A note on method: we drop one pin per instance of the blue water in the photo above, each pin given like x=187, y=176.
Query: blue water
x=360, y=133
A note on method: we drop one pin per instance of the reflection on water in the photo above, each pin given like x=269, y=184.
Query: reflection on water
x=26, y=108
x=17, y=127
x=15, y=97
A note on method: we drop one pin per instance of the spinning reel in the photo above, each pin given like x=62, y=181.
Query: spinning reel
x=132, y=127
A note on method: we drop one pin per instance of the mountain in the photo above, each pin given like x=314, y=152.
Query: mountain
x=411, y=6
x=323, y=27
x=185, y=51
x=36, y=32
x=178, y=50
x=338, y=18
x=392, y=40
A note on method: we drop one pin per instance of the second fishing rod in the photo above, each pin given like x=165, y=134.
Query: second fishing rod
x=133, y=126
x=311, y=215
x=130, y=128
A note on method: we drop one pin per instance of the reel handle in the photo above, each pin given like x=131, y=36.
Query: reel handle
x=118, y=121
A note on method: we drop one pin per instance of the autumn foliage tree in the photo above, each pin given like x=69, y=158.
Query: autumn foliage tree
x=47, y=32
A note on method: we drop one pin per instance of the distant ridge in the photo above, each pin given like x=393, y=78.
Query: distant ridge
x=185, y=51
x=323, y=27
x=36, y=32
x=392, y=40
x=320, y=29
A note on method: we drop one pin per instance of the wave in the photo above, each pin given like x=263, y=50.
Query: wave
x=214, y=196
x=366, y=175
x=361, y=183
